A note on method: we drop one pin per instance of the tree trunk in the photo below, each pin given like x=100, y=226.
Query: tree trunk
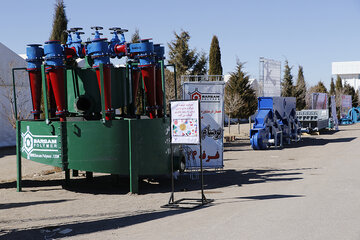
x=238, y=128
x=229, y=122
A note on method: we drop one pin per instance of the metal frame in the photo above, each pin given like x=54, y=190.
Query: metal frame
x=198, y=202
x=18, y=139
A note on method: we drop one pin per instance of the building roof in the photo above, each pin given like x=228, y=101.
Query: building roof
x=352, y=67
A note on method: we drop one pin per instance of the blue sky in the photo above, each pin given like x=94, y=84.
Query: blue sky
x=308, y=33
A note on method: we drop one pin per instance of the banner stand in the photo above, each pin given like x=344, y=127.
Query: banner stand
x=187, y=203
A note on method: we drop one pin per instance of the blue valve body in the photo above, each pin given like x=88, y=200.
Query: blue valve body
x=76, y=43
x=98, y=50
x=116, y=41
x=144, y=52
x=53, y=53
x=34, y=53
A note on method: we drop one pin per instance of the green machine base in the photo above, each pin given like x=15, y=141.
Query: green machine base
x=128, y=147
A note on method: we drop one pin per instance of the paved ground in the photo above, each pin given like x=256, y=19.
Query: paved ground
x=309, y=190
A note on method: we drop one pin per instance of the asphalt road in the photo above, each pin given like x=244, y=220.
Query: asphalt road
x=308, y=190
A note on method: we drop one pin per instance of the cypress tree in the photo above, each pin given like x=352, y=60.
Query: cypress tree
x=215, y=67
x=338, y=85
x=59, y=23
x=332, y=87
x=287, y=83
x=300, y=90
x=239, y=84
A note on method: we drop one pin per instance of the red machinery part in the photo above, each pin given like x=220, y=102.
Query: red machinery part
x=107, y=89
x=120, y=49
x=35, y=87
x=56, y=77
x=148, y=74
x=159, y=93
x=51, y=97
x=70, y=52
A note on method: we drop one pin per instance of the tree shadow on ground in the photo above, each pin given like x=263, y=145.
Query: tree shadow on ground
x=309, y=141
x=244, y=145
x=25, y=204
x=111, y=184
x=88, y=227
x=6, y=151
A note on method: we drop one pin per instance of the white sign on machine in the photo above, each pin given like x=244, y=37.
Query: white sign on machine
x=211, y=96
x=185, y=122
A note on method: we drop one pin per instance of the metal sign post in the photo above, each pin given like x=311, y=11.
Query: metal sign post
x=185, y=122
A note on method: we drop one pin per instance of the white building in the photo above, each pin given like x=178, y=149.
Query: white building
x=9, y=60
x=348, y=71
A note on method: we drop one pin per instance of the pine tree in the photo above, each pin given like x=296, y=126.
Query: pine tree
x=59, y=23
x=215, y=67
x=200, y=67
x=239, y=84
x=287, y=83
x=349, y=90
x=300, y=90
x=356, y=99
x=320, y=88
x=186, y=60
x=332, y=87
x=135, y=38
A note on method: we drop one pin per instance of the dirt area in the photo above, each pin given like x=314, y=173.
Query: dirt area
x=308, y=190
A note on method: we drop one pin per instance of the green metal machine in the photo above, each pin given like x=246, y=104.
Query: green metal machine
x=90, y=138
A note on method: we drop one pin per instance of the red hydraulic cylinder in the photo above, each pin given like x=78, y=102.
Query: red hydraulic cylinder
x=56, y=76
x=159, y=93
x=148, y=74
x=35, y=87
x=107, y=89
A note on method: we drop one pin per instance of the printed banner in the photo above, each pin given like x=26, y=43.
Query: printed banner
x=211, y=96
x=333, y=113
x=185, y=122
x=319, y=100
x=346, y=105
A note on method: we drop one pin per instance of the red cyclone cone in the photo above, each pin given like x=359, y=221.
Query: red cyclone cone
x=56, y=76
x=107, y=89
x=35, y=87
x=159, y=93
x=51, y=98
x=148, y=74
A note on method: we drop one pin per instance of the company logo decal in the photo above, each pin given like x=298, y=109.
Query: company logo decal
x=43, y=146
x=204, y=97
